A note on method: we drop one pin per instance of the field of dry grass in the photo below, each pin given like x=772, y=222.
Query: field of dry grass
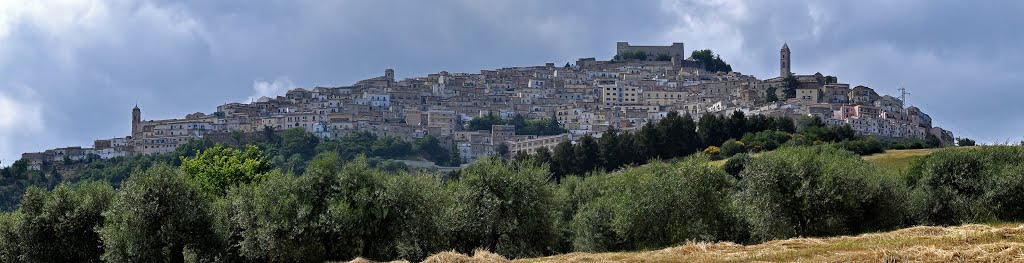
x=897, y=159
x=968, y=243
x=889, y=160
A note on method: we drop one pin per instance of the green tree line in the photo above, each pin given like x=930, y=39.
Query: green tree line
x=718, y=136
x=546, y=126
x=225, y=205
x=290, y=150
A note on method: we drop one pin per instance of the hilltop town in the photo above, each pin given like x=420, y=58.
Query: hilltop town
x=640, y=85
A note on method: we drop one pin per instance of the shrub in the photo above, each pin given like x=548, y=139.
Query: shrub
x=63, y=216
x=10, y=241
x=157, y=217
x=732, y=147
x=1006, y=195
x=654, y=205
x=864, y=146
x=273, y=220
x=735, y=164
x=965, y=142
x=505, y=208
x=814, y=191
x=956, y=186
x=765, y=140
x=216, y=169
x=712, y=150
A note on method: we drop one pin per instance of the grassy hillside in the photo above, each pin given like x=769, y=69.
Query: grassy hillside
x=898, y=159
x=890, y=159
x=967, y=243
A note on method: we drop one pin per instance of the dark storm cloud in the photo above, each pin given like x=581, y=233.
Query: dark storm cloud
x=70, y=71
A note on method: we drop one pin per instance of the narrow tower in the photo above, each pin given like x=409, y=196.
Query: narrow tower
x=784, y=70
x=389, y=74
x=136, y=121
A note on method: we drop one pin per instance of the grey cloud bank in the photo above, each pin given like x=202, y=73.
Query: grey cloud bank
x=70, y=71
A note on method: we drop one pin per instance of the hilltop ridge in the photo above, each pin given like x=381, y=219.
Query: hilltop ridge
x=640, y=85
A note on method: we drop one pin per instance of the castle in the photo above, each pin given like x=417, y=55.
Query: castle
x=676, y=51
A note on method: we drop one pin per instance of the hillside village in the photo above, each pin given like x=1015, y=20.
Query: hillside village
x=642, y=84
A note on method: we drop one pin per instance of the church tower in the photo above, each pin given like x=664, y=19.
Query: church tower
x=784, y=65
x=389, y=74
x=136, y=121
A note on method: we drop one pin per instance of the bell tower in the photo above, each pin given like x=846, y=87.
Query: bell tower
x=784, y=65
x=136, y=121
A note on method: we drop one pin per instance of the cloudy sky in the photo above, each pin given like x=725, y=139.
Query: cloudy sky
x=71, y=70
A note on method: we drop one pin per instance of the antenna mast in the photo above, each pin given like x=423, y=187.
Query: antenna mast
x=903, y=98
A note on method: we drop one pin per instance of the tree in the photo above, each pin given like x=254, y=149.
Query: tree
x=631, y=55
x=563, y=161
x=844, y=132
x=631, y=150
x=191, y=148
x=10, y=240
x=273, y=221
x=543, y=156
x=270, y=135
x=63, y=216
x=765, y=140
x=815, y=191
x=19, y=168
x=587, y=158
x=157, y=217
x=430, y=148
x=735, y=164
x=298, y=141
x=732, y=147
x=679, y=133
x=737, y=125
x=789, y=85
x=672, y=132
x=932, y=141
x=712, y=130
x=609, y=148
x=964, y=142
x=650, y=139
x=643, y=207
x=663, y=57
x=710, y=61
x=505, y=208
x=688, y=133
x=521, y=156
x=784, y=124
x=769, y=95
x=456, y=158
x=502, y=150
x=218, y=168
x=485, y=122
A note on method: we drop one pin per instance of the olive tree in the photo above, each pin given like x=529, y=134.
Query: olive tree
x=157, y=217
x=815, y=191
x=506, y=208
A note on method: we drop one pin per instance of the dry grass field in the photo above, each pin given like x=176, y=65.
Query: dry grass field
x=968, y=243
x=889, y=160
x=897, y=159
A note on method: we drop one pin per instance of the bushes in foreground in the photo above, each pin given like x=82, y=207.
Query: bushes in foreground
x=506, y=208
x=652, y=206
x=338, y=211
x=969, y=185
x=815, y=191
